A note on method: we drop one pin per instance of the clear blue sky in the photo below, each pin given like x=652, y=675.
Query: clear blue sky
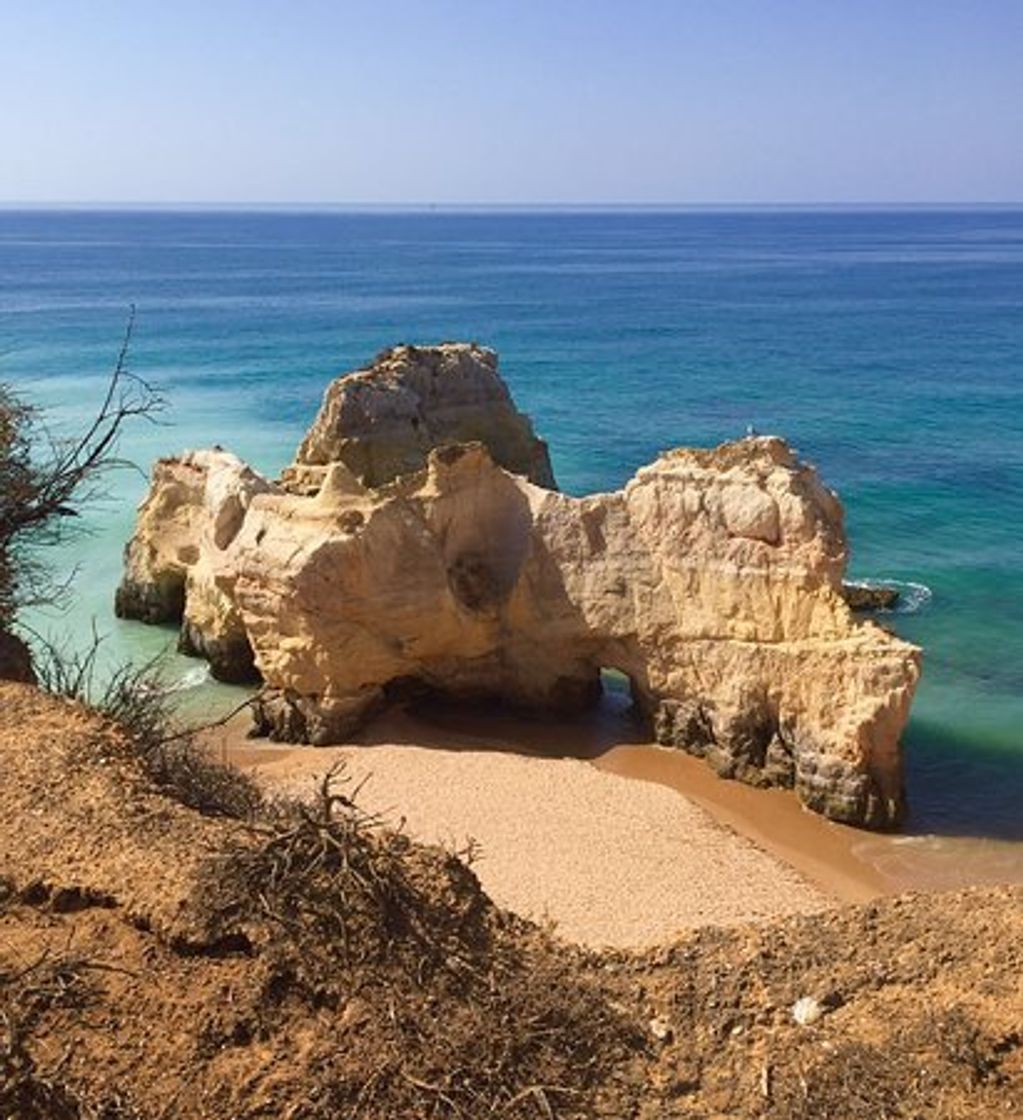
x=565, y=101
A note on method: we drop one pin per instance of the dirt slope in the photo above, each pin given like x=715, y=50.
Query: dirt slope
x=158, y=963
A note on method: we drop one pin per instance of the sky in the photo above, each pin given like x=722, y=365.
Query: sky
x=497, y=102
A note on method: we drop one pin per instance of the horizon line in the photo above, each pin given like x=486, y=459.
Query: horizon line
x=256, y=206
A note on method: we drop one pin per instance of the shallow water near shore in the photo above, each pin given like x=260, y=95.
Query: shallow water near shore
x=888, y=347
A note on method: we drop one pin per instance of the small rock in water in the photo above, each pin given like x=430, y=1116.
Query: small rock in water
x=806, y=1010
x=863, y=597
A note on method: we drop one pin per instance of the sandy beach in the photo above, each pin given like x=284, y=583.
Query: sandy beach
x=611, y=849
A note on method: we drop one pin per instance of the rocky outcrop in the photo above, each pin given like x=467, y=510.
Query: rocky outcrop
x=870, y=596
x=381, y=422
x=15, y=659
x=713, y=580
x=195, y=506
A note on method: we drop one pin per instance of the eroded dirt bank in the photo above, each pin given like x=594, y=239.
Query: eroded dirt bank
x=155, y=962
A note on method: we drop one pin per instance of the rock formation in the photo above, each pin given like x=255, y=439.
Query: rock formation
x=713, y=580
x=15, y=659
x=195, y=507
x=870, y=597
x=381, y=422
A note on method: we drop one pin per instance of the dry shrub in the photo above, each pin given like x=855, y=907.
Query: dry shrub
x=442, y=1005
x=329, y=876
x=526, y=1038
x=183, y=771
x=942, y=1068
x=30, y=992
x=45, y=480
x=26, y=1094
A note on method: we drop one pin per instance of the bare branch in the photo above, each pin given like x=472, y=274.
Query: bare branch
x=38, y=499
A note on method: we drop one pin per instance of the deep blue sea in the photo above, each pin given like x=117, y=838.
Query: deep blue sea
x=887, y=346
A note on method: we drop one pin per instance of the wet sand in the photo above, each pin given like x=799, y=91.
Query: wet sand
x=822, y=851
x=849, y=864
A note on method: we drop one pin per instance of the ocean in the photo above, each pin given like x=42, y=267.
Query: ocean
x=887, y=346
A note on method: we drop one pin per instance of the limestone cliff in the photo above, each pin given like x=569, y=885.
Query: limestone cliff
x=712, y=580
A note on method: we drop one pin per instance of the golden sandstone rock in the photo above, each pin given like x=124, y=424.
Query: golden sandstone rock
x=381, y=422
x=712, y=581
x=193, y=511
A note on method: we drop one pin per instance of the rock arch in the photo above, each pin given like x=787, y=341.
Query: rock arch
x=712, y=580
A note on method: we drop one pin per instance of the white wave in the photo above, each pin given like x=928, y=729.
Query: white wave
x=200, y=675
x=913, y=597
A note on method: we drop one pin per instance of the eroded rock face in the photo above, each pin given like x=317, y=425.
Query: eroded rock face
x=381, y=422
x=194, y=509
x=712, y=580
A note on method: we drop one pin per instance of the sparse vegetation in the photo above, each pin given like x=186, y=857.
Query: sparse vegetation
x=137, y=701
x=464, y=1011
x=26, y=994
x=45, y=480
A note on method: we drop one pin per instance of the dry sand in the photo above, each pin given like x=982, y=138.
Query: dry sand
x=608, y=859
x=664, y=846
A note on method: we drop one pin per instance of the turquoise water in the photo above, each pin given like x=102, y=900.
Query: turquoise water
x=888, y=347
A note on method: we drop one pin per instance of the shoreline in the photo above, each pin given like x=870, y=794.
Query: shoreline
x=823, y=851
